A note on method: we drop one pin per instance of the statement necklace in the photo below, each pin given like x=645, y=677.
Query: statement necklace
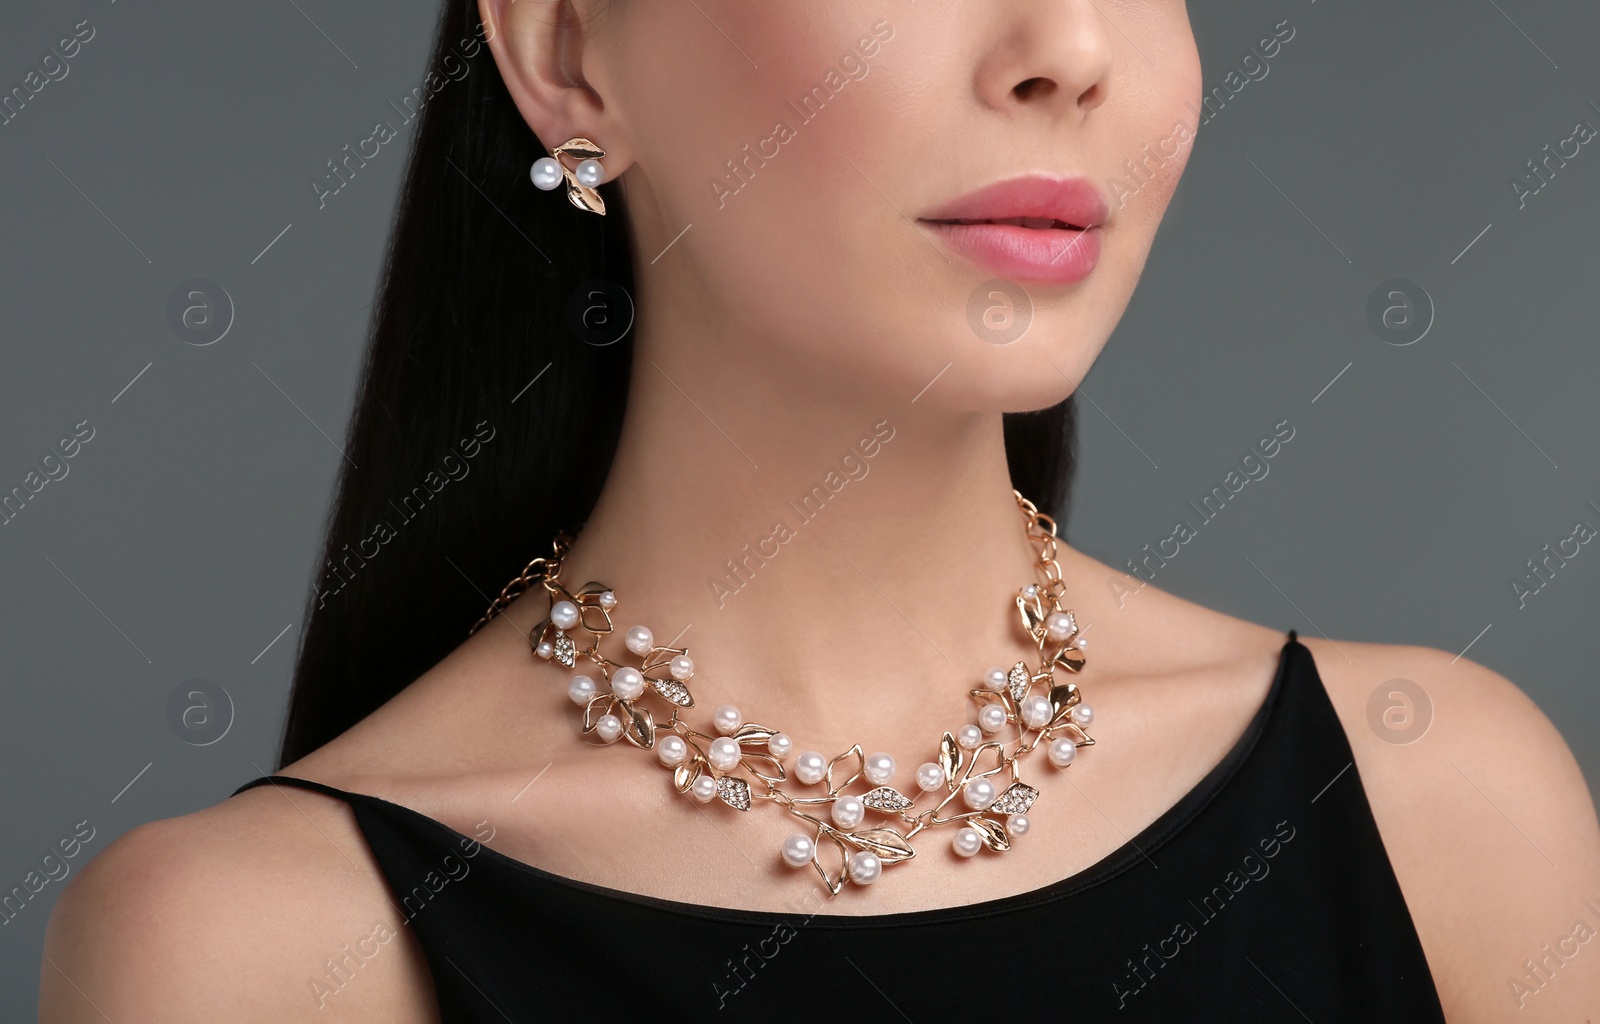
x=740, y=762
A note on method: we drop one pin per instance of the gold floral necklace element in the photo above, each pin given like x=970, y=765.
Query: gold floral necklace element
x=740, y=762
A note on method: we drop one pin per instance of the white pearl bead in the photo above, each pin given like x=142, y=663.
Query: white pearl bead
x=994, y=679
x=1018, y=825
x=966, y=842
x=779, y=745
x=639, y=640
x=581, y=690
x=879, y=769
x=992, y=718
x=848, y=811
x=979, y=794
x=563, y=615
x=672, y=750
x=728, y=719
x=865, y=867
x=1030, y=591
x=627, y=682
x=546, y=173
x=723, y=753
x=590, y=173
x=1037, y=711
x=798, y=849
x=930, y=776
x=609, y=728
x=969, y=736
x=545, y=650
x=1058, y=625
x=1083, y=641
x=704, y=789
x=1062, y=751
x=608, y=600
x=682, y=668
x=810, y=768
x=1083, y=714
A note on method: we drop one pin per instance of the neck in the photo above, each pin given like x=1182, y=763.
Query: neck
x=825, y=551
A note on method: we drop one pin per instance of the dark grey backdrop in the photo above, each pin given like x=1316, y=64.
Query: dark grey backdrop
x=181, y=542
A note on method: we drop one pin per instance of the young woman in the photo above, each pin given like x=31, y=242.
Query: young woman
x=799, y=397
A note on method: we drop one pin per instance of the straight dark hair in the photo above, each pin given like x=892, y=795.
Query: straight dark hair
x=486, y=420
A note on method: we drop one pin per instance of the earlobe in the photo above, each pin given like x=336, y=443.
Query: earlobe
x=539, y=49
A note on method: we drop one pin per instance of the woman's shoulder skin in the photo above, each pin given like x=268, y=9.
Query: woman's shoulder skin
x=248, y=904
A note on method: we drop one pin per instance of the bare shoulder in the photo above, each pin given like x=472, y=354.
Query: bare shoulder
x=1488, y=823
x=248, y=910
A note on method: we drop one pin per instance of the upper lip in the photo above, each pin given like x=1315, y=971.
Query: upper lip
x=1071, y=202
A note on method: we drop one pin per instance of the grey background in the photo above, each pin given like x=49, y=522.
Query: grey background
x=183, y=539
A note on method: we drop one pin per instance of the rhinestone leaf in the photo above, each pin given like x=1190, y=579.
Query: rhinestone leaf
x=735, y=792
x=890, y=846
x=673, y=691
x=1019, y=680
x=1017, y=798
x=886, y=798
x=566, y=650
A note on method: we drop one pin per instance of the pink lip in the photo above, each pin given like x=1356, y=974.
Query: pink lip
x=1059, y=253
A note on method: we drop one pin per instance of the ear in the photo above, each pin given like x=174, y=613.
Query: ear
x=540, y=47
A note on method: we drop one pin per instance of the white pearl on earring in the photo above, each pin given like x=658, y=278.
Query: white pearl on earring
x=682, y=668
x=879, y=769
x=608, y=600
x=704, y=789
x=798, y=850
x=581, y=690
x=627, y=682
x=728, y=719
x=672, y=750
x=590, y=173
x=563, y=615
x=723, y=753
x=1018, y=825
x=609, y=727
x=966, y=842
x=865, y=867
x=969, y=736
x=640, y=640
x=994, y=679
x=1062, y=751
x=546, y=173
x=810, y=767
x=1059, y=625
x=848, y=811
x=1083, y=714
x=979, y=794
x=779, y=745
x=992, y=718
x=930, y=776
x=1037, y=711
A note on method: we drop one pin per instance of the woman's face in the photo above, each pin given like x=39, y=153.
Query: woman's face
x=812, y=157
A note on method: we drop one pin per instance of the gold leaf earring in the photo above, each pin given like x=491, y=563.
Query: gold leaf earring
x=582, y=180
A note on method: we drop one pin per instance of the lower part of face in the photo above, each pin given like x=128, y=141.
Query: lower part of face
x=838, y=174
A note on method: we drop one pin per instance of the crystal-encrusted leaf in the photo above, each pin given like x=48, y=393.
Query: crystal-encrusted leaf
x=639, y=725
x=1017, y=798
x=887, y=799
x=566, y=649
x=949, y=758
x=992, y=834
x=734, y=791
x=890, y=846
x=1018, y=680
x=765, y=767
x=853, y=761
x=673, y=691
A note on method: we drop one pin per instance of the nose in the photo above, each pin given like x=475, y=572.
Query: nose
x=1052, y=56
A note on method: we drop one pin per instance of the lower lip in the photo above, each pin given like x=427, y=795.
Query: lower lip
x=1059, y=255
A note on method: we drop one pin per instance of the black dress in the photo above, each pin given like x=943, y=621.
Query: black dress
x=1264, y=894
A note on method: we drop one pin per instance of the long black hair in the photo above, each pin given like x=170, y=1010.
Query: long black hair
x=465, y=451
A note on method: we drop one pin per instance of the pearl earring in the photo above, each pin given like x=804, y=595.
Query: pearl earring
x=548, y=172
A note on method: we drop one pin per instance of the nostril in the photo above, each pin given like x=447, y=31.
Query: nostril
x=1034, y=87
